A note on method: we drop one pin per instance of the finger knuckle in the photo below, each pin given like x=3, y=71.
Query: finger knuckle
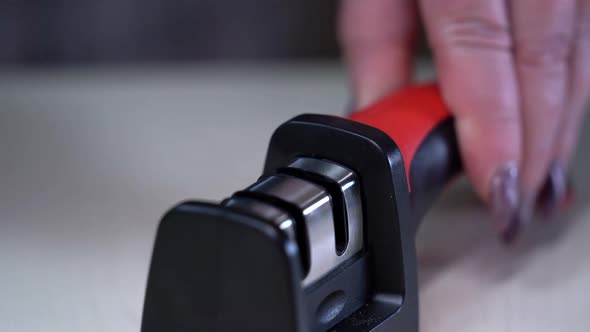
x=476, y=33
x=499, y=118
x=495, y=107
x=546, y=50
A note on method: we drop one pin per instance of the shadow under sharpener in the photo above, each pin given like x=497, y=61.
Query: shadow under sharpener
x=258, y=262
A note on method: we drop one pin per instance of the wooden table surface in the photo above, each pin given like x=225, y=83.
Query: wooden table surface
x=91, y=158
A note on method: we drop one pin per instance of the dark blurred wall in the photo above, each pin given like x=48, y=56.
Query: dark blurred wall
x=96, y=31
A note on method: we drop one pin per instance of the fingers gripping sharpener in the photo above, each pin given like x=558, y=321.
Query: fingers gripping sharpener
x=323, y=241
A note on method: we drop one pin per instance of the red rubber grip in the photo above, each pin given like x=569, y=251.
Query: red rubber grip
x=407, y=116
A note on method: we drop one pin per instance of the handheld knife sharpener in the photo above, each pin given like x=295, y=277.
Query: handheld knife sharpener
x=323, y=241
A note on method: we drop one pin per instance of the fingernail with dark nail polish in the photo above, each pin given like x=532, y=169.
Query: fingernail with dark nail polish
x=554, y=190
x=510, y=234
x=505, y=201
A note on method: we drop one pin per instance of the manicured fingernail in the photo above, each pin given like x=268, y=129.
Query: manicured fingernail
x=505, y=201
x=554, y=191
x=511, y=233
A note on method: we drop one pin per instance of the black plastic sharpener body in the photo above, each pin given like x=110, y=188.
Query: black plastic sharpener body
x=236, y=266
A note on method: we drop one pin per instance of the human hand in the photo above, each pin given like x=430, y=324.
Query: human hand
x=515, y=74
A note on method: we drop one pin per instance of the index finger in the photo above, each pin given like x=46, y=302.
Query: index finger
x=377, y=40
x=472, y=43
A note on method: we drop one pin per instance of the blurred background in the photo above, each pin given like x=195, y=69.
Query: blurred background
x=126, y=31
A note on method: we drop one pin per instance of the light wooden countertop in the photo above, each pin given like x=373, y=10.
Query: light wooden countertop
x=91, y=158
